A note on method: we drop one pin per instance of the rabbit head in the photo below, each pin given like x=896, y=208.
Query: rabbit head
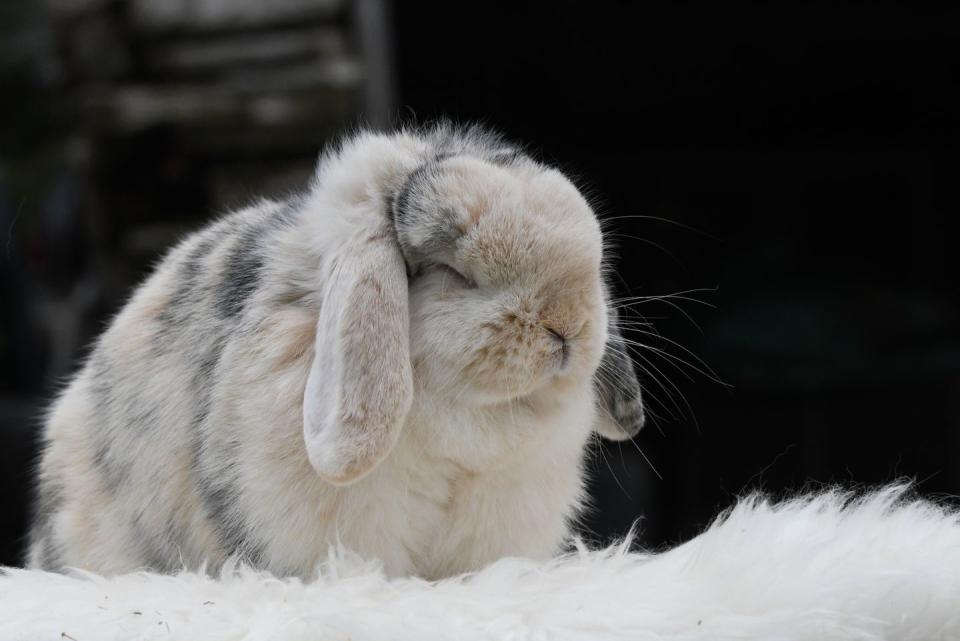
x=488, y=288
x=505, y=290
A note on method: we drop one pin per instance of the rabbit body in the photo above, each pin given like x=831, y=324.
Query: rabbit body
x=181, y=442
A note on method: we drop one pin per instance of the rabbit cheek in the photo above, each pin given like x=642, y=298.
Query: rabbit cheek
x=507, y=366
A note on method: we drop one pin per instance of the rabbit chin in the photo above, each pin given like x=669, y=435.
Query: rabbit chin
x=553, y=380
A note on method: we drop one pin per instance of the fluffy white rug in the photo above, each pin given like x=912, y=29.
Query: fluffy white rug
x=824, y=567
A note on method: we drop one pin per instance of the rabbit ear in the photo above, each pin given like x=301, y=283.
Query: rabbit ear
x=360, y=386
x=620, y=413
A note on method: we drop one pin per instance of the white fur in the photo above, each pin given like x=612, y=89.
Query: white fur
x=812, y=569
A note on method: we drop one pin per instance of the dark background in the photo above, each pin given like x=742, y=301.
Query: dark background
x=787, y=171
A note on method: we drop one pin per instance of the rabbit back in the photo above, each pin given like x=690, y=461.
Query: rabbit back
x=133, y=471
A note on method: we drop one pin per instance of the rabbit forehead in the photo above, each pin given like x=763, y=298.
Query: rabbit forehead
x=471, y=189
x=512, y=215
x=502, y=249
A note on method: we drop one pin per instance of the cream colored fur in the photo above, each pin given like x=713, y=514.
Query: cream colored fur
x=445, y=426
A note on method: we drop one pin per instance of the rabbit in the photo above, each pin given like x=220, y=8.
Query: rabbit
x=407, y=359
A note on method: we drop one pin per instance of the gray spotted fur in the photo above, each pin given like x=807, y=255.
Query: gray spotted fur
x=206, y=318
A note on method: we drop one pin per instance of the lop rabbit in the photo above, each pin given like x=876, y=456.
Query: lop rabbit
x=402, y=360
